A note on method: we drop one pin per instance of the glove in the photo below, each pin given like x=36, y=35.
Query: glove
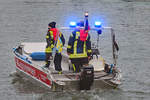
x=51, y=57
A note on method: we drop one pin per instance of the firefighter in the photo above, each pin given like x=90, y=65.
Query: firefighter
x=54, y=39
x=79, y=45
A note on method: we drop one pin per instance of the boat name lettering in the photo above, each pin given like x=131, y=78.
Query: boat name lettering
x=25, y=67
x=44, y=78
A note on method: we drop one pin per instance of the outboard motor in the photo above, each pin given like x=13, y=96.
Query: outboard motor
x=86, y=77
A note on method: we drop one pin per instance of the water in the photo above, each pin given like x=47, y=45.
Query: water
x=26, y=20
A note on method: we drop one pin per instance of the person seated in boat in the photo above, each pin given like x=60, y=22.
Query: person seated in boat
x=79, y=45
x=54, y=39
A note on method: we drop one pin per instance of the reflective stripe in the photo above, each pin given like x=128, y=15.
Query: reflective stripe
x=74, y=68
x=51, y=34
x=52, y=46
x=48, y=50
x=78, y=55
x=60, y=50
x=71, y=35
x=47, y=36
x=75, y=43
x=75, y=47
x=89, y=51
x=77, y=35
x=75, y=54
x=69, y=46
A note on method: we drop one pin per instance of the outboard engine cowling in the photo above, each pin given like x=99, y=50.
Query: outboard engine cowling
x=86, y=77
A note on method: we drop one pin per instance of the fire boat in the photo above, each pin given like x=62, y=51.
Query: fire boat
x=29, y=59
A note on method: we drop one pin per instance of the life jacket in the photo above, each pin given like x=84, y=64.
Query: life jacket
x=53, y=32
x=78, y=44
x=59, y=44
x=83, y=35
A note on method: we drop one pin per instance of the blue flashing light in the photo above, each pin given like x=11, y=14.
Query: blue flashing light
x=73, y=24
x=98, y=24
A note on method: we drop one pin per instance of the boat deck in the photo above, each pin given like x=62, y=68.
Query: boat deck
x=29, y=48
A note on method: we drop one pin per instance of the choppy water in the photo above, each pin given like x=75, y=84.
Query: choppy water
x=26, y=20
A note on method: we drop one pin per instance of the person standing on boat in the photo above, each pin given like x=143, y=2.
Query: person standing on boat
x=79, y=45
x=54, y=39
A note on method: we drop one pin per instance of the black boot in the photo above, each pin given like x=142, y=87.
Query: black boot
x=47, y=64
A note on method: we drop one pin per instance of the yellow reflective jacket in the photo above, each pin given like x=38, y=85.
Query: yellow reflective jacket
x=78, y=48
x=51, y=39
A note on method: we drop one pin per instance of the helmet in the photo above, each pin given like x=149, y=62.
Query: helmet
x=52, y=24
x=81, y=24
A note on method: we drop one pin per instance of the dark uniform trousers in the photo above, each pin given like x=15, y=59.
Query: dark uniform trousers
x=78, y=63
x=47, y=60
x=57, y=61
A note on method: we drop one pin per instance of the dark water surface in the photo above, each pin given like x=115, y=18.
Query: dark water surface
x=26, y=21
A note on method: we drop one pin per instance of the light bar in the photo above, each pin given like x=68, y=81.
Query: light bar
x=73, y=24
x=98, y=24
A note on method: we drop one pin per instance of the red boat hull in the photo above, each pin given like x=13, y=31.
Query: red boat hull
x=33, y=72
